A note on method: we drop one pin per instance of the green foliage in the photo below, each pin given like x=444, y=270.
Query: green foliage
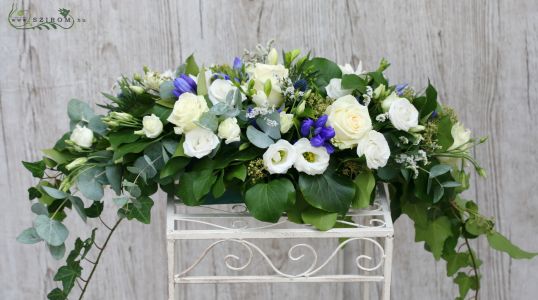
x=52, y=231
x=37, y=168
x=328, y=191
x=434, y=233
x=194, y=185
x=258, y=138
x=267, y=201
x=365, y=185
x=320, y=219
x=498, y=242
x=139, y=209
x=325, y=71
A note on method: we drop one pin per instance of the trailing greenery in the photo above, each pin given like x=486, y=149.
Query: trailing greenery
x=308, y=138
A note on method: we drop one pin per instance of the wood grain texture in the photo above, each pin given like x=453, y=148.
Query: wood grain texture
x=482, y=55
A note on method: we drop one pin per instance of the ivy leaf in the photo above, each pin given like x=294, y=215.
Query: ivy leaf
x=456, y=261
x=354, y=82
x=193, y=186
x=325, y=71
x=238, y=171
x=499, y=242
x=267, y=201
x=37, y=168
x=434, y=234
x=57, y=294
x=29, y=236
x=365, y=184
x=67, y=275
x=328, y=191
x=52, y=231
x=320, y=219
x=219, y=188
x=465, y=283
x=444, y=133
x=174, y=166
x=139, y=209
x=94, y=210
x=418, y=212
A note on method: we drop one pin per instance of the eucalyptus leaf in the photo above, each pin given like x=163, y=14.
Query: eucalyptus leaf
x=29, y=236
x=57, y=252
x=113, y=174
x=79, y=111
x=52, y=231
x=39, y=209
x=166, y=90
x=438, y=170
x=54, y=193
x=79, y=206
x=258, y=138
x=89, y=182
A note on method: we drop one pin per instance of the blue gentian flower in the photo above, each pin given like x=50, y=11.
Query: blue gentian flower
x=237, y=63
x=321, y=135
x=221, y=76
x=184, y=84
x=400, y=88
x=301, y=85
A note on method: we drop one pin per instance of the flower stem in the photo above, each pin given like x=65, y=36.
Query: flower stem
x=475, y=268
x=101, y=250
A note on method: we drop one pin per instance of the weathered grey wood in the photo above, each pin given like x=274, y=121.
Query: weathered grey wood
x=482, y=56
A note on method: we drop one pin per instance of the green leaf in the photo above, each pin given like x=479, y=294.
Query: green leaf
x=37, y=168
x=194, y=185
x=434, y=234
x=478, y=225
x=57, y=156
x=465, y=283
x=121, y=201
x=258, y=138
x=33, y=193
x=456, y=261
x=354, y=82
x=174, y=166
x=272, y=131
x=39, y=209
x=201, y=83
x=438, y=193
x=124, y=136
x=139, y=209
x=431, y=102
x=450, y=184
x=365, y=183
x=135, y=147
x=94, y=210
x=444, y=133
x=29, y=236
x=57, y=294
x=67, y=275
x=499, y=242
x=52, y=231
x=113, y=175
x=208, y=121
x=166, y=91
x=191, y=67
x=438, y=170
x=79, y=206
x=162, y=112
x=57, y=252
x=79, y=111
x=238, y=171
x=144, y=167
x=325, y=71
x=96, y=125
x=90, y=181
x=219, y=188
x=320, y=219
x=328, y=191
x=267, y=201
x=54, y=193
x=418, y=212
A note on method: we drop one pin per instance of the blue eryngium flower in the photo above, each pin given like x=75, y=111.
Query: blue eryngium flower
x=184, y=84
x=237, y=63
x=400, y=88
x=321, y=134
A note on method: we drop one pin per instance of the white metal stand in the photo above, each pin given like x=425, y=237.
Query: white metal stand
x=235, y=226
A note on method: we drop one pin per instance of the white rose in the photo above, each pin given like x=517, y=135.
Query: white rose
x=403, y=115
x=82, y=136
x=286, y=121
x=152, y=126
x=260, y=73
x=187, y=110
x=199, y=142
x=350, y=121
x=229, y=130
x=279, y=157
x=334, y=89
x=348, y=69
x=375, y=148
x=310, y=160
x=461, y=137
x=219, y=89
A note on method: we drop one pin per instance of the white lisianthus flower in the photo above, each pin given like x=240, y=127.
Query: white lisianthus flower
x=229, y=130
x=350, y=121
x=279, y=157
x=187, y=110
x=334, y=89
x=219, y=89
x=385, y=104
x=82, y=136
x=152, y=80
x=286, y=122
x=348, y=69
x=310, y=160
x=375, y=148
x=403, y=115
x=260, y=73
x=199, y=142
x=461, y=137
x=152, y=126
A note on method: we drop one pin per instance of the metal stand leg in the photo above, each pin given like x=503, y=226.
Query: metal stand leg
x=171, y=266
x=387, y=267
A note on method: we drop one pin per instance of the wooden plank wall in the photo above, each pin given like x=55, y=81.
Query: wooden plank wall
x=481, y=55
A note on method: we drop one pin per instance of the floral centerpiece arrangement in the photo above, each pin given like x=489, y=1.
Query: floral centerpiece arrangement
x=296, y=135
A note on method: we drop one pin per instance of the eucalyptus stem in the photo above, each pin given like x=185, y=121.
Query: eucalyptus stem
x=101, y=250
x=475, y=267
